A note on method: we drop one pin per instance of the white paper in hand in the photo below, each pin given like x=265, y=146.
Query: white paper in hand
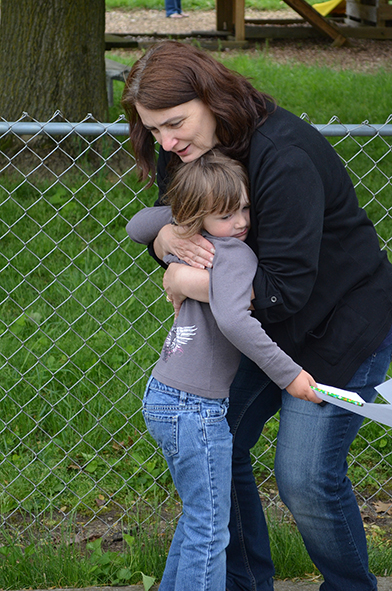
x=385, y=390
x=382, y=413
x=331, y=391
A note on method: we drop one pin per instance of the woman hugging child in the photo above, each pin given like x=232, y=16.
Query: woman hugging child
x=186, y=398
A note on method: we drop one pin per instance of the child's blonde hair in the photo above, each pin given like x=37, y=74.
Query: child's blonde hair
x=214, y=183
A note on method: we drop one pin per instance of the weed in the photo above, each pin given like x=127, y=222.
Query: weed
x=43, y=563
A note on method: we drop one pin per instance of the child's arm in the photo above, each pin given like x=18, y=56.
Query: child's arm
x=146, y=223
x=230, y=291
x=152, y=224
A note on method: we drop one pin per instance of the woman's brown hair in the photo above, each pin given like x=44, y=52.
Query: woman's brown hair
x=173, y=73
x=214, y=183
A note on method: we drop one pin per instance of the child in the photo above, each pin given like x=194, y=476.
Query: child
x=185, y=403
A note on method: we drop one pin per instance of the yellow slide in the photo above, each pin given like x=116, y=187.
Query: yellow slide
x=326, y=8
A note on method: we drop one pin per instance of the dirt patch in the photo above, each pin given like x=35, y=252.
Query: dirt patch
x=155, y=21
x=364, y=55
x=110, y=527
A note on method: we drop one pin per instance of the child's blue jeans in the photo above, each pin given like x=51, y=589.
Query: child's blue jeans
x=196, y=441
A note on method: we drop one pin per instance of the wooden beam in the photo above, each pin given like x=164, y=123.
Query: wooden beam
x=317, y=20
x=268, y=31
x=113, y=41
x=274, y=21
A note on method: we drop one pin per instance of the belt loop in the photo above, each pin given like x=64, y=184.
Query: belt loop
x=183, y=398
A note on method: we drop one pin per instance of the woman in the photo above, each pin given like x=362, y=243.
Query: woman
x=323, y=292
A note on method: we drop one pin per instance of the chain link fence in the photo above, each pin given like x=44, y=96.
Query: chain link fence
x=82, y=320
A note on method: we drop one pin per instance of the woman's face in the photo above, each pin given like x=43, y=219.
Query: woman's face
x=188, y=129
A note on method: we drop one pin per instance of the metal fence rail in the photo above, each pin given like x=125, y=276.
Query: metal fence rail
x=82, y=319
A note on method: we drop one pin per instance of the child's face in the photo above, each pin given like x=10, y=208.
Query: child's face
x=235, y=224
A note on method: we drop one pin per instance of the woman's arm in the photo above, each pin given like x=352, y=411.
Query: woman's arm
x=288, y=202
x=181, y=282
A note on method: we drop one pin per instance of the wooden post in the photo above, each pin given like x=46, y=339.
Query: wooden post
x=239, y=20
x=232, y=12
x=224, y=15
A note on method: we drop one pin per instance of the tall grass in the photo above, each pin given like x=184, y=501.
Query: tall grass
x=39, y=561
x=292, y=560
x=46, y=563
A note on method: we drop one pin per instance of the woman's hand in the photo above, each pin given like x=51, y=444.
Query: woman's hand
x=181, y=282
x=196, y=251
x=301, y=388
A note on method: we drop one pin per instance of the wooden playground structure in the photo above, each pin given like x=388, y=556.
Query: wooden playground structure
x=353, y=18
x=336, y=20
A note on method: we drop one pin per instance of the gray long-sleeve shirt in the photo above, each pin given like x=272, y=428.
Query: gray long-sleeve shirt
x=202, y=351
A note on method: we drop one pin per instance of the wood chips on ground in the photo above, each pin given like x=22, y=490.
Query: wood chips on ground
x=366, y=55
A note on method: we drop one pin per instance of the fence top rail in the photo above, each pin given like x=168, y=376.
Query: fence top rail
x=365, y=130
x=63, y=129
x=121, y=129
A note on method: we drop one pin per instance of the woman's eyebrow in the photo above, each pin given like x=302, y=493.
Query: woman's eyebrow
x=164, y=123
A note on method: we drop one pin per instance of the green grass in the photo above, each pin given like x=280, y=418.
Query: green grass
x=292, y=561
x=288, y=551
x=39, y=561
x=88, y=342
x=380, y=554
x=44, y=563
x=316, y=90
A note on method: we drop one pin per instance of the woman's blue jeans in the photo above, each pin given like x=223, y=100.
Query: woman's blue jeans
x=196, y=441
x=311, y=472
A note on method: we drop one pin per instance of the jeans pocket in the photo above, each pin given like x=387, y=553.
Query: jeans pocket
x=163, y=427
x=214, y=422
x=214, y=414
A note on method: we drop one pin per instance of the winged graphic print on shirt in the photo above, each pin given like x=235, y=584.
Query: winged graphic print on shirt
x=178, y=337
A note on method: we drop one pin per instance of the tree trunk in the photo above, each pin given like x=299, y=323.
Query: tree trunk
x=52, y=57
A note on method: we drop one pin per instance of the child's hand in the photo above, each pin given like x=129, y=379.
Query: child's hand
x=301, y=388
